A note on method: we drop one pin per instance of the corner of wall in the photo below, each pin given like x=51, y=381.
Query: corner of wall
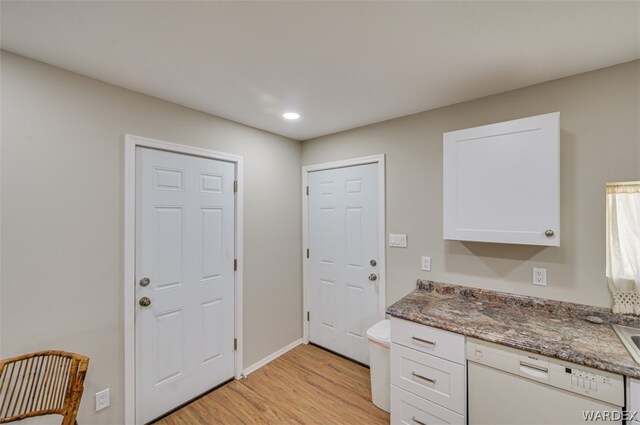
x=1, y=137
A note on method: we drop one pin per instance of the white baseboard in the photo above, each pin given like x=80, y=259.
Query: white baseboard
x=271, y=357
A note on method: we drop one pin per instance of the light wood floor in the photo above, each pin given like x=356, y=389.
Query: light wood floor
x=307, y=385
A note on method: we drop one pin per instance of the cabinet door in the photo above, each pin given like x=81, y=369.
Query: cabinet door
x=502, y=182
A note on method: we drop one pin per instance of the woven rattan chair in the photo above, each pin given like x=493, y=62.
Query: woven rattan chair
x=43, y=383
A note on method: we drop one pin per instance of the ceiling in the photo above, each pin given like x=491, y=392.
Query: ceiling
x=339, y=64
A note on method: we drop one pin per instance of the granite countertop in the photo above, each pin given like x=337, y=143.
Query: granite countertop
x=550, y=328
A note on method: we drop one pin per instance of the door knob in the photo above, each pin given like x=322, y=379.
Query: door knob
x=144, y=302
x=145, y=281
x=549, y=233
x=373, y=277
x=373, y=263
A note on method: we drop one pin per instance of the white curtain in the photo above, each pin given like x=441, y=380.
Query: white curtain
x=623, y=246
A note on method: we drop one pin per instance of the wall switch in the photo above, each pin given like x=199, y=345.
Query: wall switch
x=426, y=264
x=102, y=399
x=539, y=276
x=397, y=240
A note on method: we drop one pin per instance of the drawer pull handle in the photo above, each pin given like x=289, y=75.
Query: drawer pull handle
x=413, y=418
x=433, y=381
x=426, y=341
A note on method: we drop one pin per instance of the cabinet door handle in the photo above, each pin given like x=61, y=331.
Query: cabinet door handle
x=413, y=418
x=426, y=341
x=417, y=375
x=540, y=368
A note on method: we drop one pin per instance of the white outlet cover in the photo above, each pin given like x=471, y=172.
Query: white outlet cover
x=539, y=276
x=102, y=399
x=426, y=264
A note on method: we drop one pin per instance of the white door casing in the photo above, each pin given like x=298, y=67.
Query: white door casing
x=343, y=239
x=184, y=340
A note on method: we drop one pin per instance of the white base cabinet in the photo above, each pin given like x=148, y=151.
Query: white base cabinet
x=428, y=375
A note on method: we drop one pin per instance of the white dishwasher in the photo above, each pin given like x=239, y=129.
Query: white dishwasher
x=509, y=386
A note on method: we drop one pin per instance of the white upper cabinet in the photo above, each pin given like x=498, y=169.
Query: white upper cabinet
x=502, y=182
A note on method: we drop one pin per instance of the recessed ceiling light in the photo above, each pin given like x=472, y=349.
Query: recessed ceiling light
x=291, y=115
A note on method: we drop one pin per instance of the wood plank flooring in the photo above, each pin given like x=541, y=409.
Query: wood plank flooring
x=307, y=385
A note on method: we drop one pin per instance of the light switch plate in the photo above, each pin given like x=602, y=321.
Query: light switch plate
x=397, y=240
x=426, y=264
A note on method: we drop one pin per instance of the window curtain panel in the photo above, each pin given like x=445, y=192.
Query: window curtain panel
x=623, y=246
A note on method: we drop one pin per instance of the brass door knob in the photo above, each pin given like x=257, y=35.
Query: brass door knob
x=144, y=302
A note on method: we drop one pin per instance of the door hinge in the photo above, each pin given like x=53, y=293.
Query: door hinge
x=307, y=190
x=235, y=265
x=308, y=316
x=307, y=252
x=235, y=185
x=235, y=344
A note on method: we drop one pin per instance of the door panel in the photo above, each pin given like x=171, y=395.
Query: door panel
x=212, y=341
x=212, y=248
x=168, y=342
x=168, y=246
x=328, y=297
x=185, y=246
x=354, y=237
x=353, y=322
x=343, y=239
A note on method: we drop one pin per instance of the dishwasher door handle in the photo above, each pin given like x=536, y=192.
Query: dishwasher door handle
x=533, y=370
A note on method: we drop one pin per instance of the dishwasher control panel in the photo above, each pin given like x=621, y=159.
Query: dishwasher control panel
x=586, y=380
x=590, y=382
x=594, y=383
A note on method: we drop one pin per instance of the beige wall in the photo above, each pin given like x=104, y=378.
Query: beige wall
x=62, y=208
x=62, y=205
x=600, y=142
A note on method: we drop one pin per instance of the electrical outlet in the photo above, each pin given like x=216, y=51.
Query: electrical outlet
x=539, y=276
x=102, y=399
x=426, y=264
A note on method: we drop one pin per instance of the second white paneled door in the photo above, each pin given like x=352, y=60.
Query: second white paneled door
x=184, y=279
x=343, y=269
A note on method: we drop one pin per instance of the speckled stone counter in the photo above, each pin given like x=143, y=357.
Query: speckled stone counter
x=551, y=328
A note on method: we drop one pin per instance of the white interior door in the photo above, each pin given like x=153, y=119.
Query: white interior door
x=343, y=244
x=184, y=267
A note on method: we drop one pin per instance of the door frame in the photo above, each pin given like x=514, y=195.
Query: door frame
x=130, y=144
x=382, y=261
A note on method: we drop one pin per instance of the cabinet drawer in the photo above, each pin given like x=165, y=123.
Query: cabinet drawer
x=437, y=380
x=437, y=342
x=409, y=409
